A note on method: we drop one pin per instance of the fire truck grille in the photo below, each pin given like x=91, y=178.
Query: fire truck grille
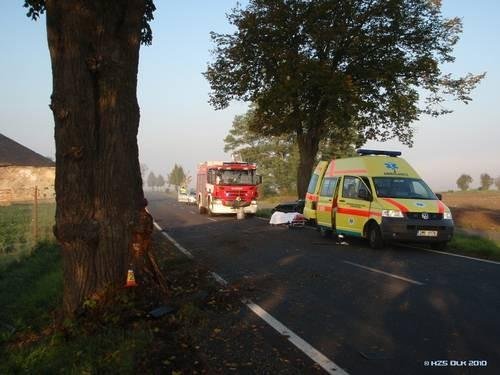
x=235, y=194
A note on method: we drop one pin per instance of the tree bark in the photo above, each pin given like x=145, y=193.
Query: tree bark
x=308, y=143
x=94, y=51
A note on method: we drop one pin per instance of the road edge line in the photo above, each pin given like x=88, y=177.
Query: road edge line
x=176, y=244
x=450, y=254
x=324, y=362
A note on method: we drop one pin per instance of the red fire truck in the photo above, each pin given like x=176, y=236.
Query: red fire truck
x=223, y=187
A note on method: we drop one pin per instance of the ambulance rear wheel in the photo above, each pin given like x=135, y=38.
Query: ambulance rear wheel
x=375, y=237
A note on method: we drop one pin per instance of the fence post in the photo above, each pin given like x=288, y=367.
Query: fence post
x=36, y=214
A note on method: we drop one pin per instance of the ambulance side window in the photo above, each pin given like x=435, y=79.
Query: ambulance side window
x=312, y=184
x=351, y=187
x=328, y=186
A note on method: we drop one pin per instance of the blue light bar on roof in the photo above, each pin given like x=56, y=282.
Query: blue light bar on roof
x=364, y=152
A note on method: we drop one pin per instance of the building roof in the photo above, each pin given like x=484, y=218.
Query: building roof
x=13, y=153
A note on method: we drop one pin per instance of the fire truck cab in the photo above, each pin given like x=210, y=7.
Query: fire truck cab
x=223, y=187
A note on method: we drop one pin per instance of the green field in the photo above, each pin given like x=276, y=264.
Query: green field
x=19, y=232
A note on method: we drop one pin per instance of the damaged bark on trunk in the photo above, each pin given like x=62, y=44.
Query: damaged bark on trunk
x=94, y=51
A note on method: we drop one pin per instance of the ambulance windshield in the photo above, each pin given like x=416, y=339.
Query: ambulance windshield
x=404, y=188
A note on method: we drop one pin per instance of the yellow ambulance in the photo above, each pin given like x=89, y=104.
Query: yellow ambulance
x=379, y=196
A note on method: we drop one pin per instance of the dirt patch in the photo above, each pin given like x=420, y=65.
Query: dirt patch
x=478, y=210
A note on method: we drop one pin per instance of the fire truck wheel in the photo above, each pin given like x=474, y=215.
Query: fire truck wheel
x=209, y=210
x=201, y=209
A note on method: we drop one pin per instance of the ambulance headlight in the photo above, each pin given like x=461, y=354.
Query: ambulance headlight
x=447, y=215
x=392, y=213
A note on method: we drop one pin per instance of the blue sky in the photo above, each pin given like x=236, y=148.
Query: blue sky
x=178, y=125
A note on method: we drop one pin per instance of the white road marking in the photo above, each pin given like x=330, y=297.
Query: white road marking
x=176, y=244
x=384, y=273
x=329, y=366
x=318, y=357
x=219, y=279
x=451, y=254
x=209, y=218
x=191, y=212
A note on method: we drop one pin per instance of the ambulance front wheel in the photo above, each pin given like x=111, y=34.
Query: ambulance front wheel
x=375, y=237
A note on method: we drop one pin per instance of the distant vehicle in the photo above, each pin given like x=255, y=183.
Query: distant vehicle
x=224, y=187
x=378, y=196
x=297, y=206
x=192, y=197
x=182, y=195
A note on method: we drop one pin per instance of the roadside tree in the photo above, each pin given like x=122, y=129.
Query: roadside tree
x=314, y=68
x=497, y=182
x=160, y=181
x=94, y=52
x=151, y=180
x=177, y=176
x=464, y=181
x=486, y=181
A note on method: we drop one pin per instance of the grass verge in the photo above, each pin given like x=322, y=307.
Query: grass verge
x=264, y=212
x=474, y=246
x=30, y=339
x=17, y=230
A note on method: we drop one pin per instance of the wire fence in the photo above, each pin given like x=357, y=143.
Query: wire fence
x=23, y=225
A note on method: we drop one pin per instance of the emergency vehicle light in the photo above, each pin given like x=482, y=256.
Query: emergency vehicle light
x=364, y=152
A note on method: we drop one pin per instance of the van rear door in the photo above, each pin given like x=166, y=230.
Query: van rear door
x=313, y=190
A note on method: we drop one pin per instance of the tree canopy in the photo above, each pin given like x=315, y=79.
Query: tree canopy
x=486, y=181
x=177, y=176
x=464, y=181
x=314, y=66
x=277, y=157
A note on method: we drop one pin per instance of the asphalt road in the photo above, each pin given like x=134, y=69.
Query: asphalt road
x=394, y=311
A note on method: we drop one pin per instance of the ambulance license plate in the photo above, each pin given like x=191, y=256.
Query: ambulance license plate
x=427, y=233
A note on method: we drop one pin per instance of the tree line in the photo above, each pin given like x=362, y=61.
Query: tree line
x=177, y=177
x=485, y=181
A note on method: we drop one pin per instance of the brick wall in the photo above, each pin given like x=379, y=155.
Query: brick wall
x=17, y=184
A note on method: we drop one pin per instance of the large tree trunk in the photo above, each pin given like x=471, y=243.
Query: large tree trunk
x=308, y=148
x=94, y=50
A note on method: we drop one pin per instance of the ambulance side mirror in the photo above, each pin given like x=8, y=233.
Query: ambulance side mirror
x=439, y=196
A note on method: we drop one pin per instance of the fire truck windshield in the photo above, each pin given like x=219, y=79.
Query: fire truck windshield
x=234, y=177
